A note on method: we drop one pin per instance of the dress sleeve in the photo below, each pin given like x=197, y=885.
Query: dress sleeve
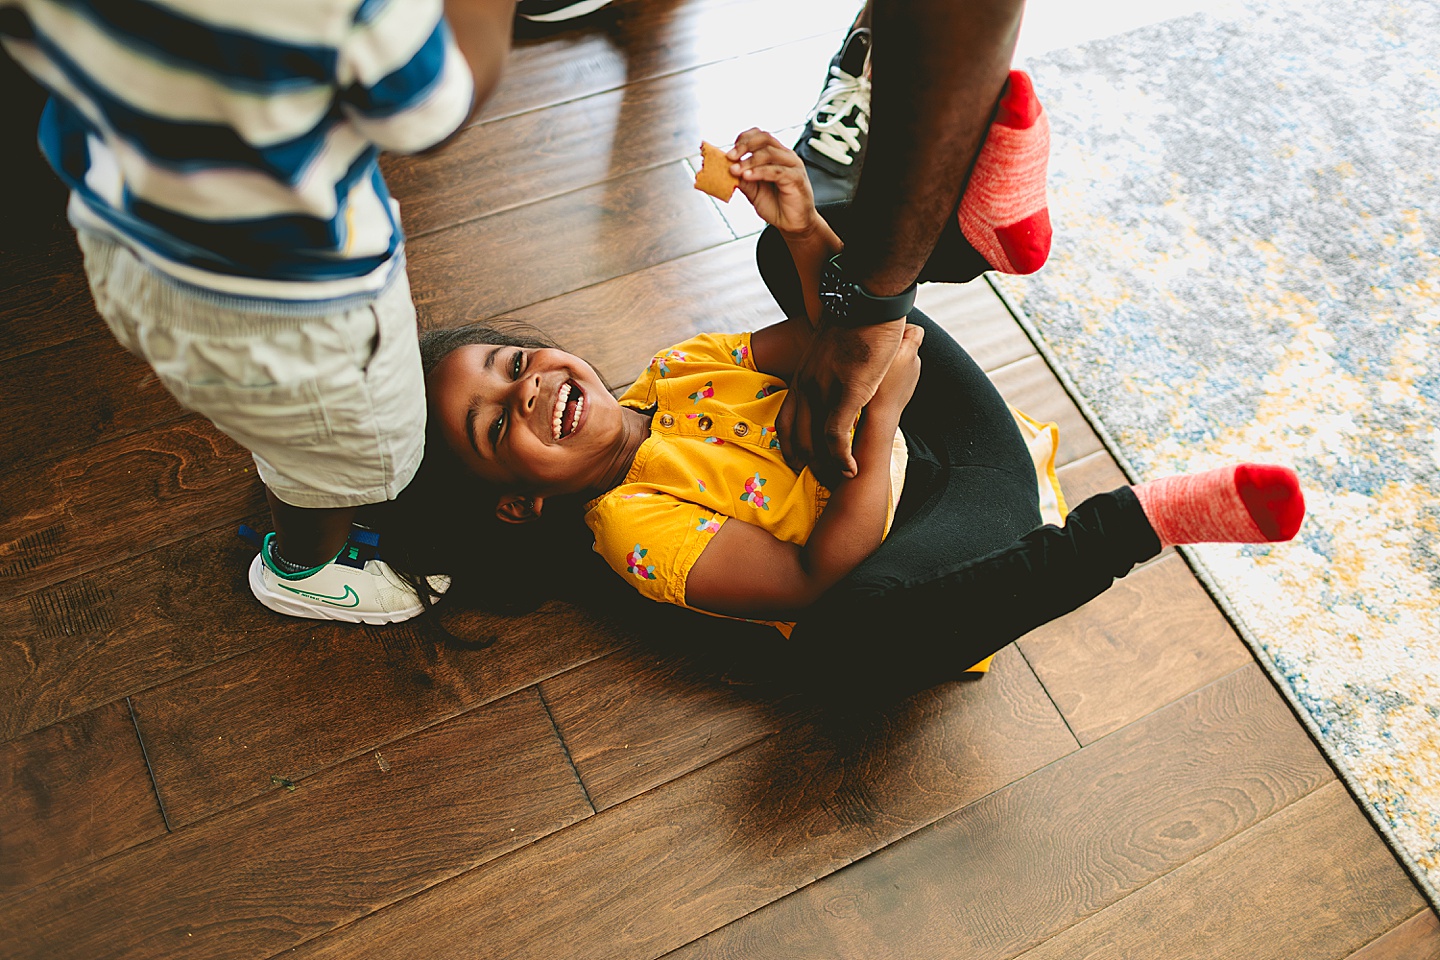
x=652, y=540
x=406, y=86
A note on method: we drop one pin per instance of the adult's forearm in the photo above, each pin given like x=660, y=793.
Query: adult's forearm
x=937, y=69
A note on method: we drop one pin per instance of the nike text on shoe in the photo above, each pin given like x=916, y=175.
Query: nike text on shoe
x=356, y=587
x=833, y=141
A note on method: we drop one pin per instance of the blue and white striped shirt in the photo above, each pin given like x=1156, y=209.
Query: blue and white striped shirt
x=233, y=144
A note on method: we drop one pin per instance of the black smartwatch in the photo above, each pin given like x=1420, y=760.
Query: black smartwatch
x=845, y=303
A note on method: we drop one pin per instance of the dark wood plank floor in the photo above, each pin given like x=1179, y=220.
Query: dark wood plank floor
x=184, y=773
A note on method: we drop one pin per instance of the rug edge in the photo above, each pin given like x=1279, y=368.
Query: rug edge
x=1207, y=580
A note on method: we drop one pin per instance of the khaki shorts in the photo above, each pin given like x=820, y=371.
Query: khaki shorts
x=331, y=406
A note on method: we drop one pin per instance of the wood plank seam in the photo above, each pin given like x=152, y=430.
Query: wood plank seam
x=1197, y=856
x=565, y=748
x=605, y=280
x=1064, y=719
x=154, y=784
x=1196, y=863
x=485, y=118
x=633, y=171
x=291, y=779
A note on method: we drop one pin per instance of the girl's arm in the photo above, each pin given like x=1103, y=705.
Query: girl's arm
x=773, y=179
x=746, y=572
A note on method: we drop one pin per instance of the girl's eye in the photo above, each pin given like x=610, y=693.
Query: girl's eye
x=495, y=429
x=515, y=366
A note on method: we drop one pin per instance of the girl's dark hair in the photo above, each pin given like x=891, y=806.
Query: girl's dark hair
x=444, y=523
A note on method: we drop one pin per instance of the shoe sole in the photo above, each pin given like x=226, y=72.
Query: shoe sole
x=293, y=607
x=569, y=13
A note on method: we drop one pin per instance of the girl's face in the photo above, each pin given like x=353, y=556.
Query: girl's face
x=532, y=421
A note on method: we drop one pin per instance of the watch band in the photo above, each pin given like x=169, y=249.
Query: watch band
x=845, y=303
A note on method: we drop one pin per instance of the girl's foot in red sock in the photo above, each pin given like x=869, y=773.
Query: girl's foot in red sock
x=1004, y=213
x=1246, y=503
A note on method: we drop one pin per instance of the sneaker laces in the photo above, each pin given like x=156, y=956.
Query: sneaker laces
x=837, y=136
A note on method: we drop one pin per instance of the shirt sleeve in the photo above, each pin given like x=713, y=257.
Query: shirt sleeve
x=652, y=540
x=406, y=85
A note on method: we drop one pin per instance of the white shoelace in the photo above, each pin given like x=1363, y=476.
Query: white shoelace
x=837, y=134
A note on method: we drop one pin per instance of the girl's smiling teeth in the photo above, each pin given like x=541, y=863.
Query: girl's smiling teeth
x=569, y=403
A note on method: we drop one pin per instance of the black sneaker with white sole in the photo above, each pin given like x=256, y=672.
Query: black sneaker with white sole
x=833, y=141
x=553, y=11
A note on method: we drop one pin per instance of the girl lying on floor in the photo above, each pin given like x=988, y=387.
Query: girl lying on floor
x=939, y=539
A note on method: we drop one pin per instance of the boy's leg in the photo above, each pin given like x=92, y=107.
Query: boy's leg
x=330, y=406
x=307, y=537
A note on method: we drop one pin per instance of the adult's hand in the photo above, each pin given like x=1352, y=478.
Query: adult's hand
x=838, y=374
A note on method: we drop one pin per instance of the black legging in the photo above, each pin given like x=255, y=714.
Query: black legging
x=968, y=567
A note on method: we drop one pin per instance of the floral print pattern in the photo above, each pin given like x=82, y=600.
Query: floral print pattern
x=635, y=563
x=661, y=363
x=752, y=494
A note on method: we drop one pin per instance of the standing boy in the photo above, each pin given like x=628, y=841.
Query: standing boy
x=222, y=161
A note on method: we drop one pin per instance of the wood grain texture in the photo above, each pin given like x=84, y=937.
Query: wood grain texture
x=73, y=793
x=637, y=719
x=619, y=324
x=502, y=262
x=631, y=42
x=1252, y=898
x=131, y=625
x=1040, y=855
x=45, y=298
x=680, y=860
x=218, y=736
x=1416, y=939
x=1151, y=638
x=302, y=861
x=586, y=141
x=1029, y=385
x=118, y=500
x=977, y=320
x=1096, y=473
x=106, y=393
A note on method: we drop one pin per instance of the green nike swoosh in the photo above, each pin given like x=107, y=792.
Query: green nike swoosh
x=349, y=595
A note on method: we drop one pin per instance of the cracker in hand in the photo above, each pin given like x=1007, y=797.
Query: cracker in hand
x=714, y=177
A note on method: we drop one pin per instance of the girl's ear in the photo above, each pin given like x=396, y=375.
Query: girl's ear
x=515, y=508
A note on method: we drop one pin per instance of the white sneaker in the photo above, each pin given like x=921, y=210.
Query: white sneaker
x=356, y=587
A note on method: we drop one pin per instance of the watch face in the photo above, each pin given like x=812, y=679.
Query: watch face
x=835, y=292
x=845, y=303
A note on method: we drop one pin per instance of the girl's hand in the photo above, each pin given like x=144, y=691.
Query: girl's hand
x=898, y=386
x=773, y=179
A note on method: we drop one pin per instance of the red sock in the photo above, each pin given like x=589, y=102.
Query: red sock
x=1246, y=503
x=1003, y=213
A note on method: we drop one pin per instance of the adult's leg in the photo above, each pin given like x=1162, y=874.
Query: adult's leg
x=937, y=68
x=953, y=260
